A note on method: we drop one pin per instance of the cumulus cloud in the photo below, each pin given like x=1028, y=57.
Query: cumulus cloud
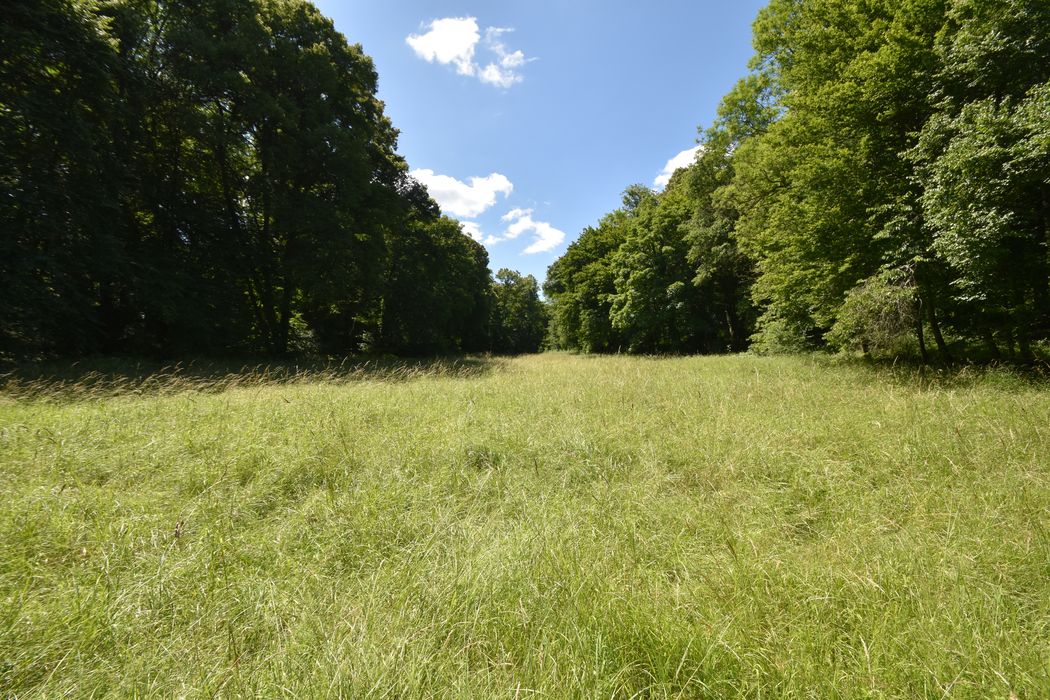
x=682, y=160
x=504, y=71
x=460, y=198
x=472, y=229
x=450, y=40
x=545, y=236
x=516, y=214
x=454, y=41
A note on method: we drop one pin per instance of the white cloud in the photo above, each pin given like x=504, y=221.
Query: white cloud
x=472, y=229
x=504, y=72
x=461, y=199
x=450, y=40
x=546, y=237
x=682, y=160
x=515, y=214
x=454, y=40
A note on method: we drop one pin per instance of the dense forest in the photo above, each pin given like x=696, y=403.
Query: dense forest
x=879, y=182
x=214, y=177
x=218, y=176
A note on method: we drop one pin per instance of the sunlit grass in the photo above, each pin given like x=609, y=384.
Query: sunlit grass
x=550, y=526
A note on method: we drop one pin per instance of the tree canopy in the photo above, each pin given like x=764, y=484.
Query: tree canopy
x=880, y=176
x=213, y=177
x=220, y=177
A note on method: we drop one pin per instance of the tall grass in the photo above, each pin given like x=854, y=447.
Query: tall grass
x=549, y=526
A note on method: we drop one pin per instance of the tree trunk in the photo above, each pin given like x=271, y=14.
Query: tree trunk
x=262, y=293
x=1024, y=345
x=281, y=344
x=935, y=326
x=989, y=341
x=108, y=318
x=284, y=313
x=737, y=342
x=920, y=336
x=731, y=328
x=1021, y=318
x=1042, y=281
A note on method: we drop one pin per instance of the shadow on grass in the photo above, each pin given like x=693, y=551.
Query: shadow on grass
x=112, y=376
x=912, y=373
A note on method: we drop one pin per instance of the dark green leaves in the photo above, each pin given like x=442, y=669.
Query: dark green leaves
x=206, y=177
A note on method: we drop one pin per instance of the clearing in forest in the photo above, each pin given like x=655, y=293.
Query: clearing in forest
x=550, y=525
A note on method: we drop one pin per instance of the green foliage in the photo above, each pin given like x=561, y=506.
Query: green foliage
x=209, y=177
x=220, y=176
x=894, y=136
x=777, y=335
x=660, y=275
x=58, y=202
x=816, y=190
x=519, y=316
x=665, y=273
x=879, y=316
x=986, y=169
x=437, y=296
x=580, y=285
x=655, y=305
x=868, y=137
x=724, y=272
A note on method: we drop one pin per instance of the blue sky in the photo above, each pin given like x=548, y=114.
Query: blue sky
x=527, y=119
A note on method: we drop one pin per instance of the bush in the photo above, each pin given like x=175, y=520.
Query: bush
x=879, y=316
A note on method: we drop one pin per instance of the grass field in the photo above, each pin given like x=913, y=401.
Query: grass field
x=547, y=526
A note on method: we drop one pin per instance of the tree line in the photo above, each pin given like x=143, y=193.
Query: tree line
x=879, y=181
x=218, y=176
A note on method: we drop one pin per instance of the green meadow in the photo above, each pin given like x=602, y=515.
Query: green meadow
x=546, y=526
